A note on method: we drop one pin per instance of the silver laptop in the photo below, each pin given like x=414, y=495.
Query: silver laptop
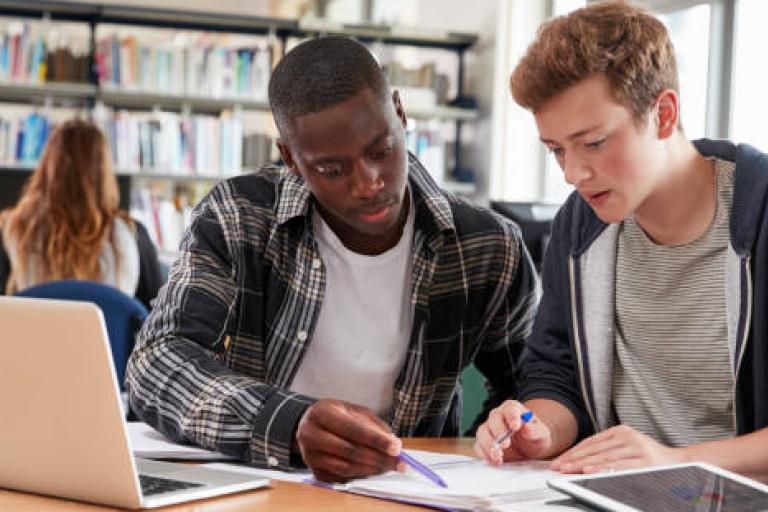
x=62, y=429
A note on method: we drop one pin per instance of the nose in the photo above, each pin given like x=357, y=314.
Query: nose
x=575, y=169
x=367, y=180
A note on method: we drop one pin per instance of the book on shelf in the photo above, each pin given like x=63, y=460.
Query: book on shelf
x=27, y=56
x=22, y=137
x=199, y=68
x=171, y=143
x=420, y=88
x=425, y=140
x=165, y=212
x=161, y=143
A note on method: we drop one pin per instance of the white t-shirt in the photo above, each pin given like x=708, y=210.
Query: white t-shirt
x=361, y=338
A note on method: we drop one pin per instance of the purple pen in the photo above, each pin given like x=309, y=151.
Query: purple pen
x=421, y=468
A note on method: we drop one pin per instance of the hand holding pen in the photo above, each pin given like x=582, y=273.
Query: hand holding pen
x=340, y=441
x=511, y=433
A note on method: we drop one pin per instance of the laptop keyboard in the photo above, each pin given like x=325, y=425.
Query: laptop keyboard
x=156, y=485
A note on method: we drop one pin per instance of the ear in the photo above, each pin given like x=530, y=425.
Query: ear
x=285, y=153
x=667, y=113
x=399, y=108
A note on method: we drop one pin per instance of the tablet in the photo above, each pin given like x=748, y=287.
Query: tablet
x=695, y=487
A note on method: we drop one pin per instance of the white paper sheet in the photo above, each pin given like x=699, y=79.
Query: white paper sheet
x=432, y=459
x=519, y=487
x=471, y=484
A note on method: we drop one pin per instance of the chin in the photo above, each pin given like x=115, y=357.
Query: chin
x=610, y=217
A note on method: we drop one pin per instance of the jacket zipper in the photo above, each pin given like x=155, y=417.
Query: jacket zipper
x=745, y=337
x=577, y=343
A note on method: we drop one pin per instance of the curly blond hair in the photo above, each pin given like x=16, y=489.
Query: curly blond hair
x=622, y=41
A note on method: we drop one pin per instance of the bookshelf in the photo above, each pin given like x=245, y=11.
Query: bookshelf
x=110, y=101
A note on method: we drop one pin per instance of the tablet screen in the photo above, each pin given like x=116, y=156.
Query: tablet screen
x=682, y=489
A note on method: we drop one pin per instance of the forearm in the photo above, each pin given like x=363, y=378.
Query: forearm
x=746, y=455
x=562, y=424
x=178, y=388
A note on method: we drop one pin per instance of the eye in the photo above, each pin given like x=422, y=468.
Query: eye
x=558, y=152
x=597, y=144
x=331, y=170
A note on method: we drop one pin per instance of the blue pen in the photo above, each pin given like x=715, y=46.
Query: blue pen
x=525, y=418
x=421, y=468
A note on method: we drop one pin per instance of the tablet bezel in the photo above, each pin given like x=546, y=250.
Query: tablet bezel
x=568, y=485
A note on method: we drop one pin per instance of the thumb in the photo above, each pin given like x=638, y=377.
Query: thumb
x=534, y=431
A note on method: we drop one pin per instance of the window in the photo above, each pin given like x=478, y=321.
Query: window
x=750, y=106
x=556, y=189
x=692, y=52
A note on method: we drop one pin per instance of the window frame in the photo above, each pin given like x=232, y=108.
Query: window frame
x=722, y=35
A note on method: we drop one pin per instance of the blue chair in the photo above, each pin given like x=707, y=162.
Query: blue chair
x=122, y=314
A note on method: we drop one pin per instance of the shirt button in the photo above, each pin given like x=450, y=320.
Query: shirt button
x=302, y=336
x=272, y=462
x=316, y=263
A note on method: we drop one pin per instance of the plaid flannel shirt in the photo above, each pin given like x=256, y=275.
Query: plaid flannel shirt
x=215, y=359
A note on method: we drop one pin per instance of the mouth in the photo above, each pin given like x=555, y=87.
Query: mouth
x=377, y=213
x=596, y=198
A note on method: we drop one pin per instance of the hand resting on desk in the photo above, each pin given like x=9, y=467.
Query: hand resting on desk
x=340, y=441
x=552, y=432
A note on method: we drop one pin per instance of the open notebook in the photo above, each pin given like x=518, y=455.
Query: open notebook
x=472, y=484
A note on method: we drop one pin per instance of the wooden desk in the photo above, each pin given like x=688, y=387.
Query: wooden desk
x=282, y=496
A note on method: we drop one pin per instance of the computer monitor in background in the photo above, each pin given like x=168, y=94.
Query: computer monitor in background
x=534, y=220
x=12, y=182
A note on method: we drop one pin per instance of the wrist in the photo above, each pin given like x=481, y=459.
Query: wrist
x=682, y=455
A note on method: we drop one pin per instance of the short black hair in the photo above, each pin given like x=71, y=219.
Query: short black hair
x=320, y=73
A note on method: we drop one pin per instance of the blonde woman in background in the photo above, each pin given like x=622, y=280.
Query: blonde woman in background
x=68, y=224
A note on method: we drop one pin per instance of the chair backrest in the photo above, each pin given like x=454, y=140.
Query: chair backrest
x=122, y=314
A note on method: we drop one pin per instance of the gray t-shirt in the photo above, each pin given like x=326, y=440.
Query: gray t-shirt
x=672, y=371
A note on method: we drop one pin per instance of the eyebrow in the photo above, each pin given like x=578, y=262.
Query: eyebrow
x=333, y=159
x=572, y=136
x=376, y=140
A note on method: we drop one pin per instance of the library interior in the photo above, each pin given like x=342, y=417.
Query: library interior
x=173, y=98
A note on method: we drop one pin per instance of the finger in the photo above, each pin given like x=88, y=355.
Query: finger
x=534, y=431
x=483, y=444
x=503, y=419
x=618, y=465
x=607, y=454
x=321, y=443
x=338, y=469
x=507, y=419
x=594, y=444
x=513, y=453
x=359, y=429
